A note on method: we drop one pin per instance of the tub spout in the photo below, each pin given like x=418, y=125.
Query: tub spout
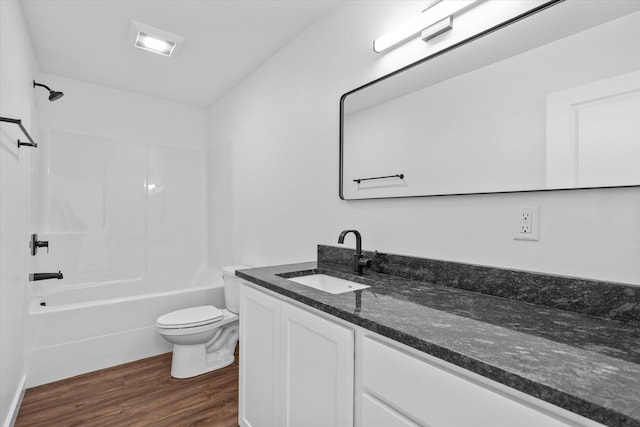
x=34, y=277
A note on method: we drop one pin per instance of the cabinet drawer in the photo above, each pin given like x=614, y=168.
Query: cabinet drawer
x=436, y=397
x=377, y=414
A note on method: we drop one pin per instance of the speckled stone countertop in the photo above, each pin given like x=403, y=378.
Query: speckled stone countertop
x=585, y=364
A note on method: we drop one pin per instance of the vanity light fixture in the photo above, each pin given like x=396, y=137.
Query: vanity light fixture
x=153, y=39
x=436, y=29
x=434, y=20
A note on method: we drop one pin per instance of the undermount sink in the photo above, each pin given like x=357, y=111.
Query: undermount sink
x=329, y=284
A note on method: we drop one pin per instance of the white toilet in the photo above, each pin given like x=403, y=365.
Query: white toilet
x=204, y=338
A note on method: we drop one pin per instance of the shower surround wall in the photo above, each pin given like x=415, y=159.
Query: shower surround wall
x=119, y=192
x=120, y=187
x=114, y=211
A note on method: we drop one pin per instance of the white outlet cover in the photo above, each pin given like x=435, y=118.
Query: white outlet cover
x=519, y=221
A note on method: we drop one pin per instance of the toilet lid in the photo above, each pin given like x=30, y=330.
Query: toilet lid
x=190, y=317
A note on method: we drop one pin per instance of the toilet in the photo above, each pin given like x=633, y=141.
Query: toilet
x=204, y=338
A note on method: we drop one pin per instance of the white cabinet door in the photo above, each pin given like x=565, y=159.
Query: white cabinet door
x=317, y=370
x=259, y=404
x=296, y=368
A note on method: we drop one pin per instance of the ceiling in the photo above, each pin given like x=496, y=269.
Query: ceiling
x=225, y=40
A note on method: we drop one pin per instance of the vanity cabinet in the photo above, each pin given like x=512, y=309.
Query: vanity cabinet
x=299, y=367
x=296, y=368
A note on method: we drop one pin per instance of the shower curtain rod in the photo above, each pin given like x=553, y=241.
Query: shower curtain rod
x=18, y=122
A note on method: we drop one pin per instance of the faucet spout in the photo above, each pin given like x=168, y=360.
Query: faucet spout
x=34, y=277
x=358, y=239
x=358, y=261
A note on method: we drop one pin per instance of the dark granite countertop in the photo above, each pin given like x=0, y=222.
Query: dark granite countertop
x=585, y=364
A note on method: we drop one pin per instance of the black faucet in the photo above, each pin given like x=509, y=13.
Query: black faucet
x=358, y=261
x=34, y=277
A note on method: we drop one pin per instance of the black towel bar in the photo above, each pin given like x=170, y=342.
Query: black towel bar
x=400, y=176
x=18, y=122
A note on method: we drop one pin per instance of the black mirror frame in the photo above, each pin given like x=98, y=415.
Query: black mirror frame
x=425, y=59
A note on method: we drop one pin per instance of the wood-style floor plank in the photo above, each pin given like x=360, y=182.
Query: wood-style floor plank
x=140, y=394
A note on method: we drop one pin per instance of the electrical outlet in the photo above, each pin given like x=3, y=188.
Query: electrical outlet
x=526, y=223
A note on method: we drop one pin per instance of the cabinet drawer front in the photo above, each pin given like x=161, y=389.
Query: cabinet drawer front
x=377, y=414
x=436, y=397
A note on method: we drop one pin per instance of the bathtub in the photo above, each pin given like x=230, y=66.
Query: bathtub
x=88, y=328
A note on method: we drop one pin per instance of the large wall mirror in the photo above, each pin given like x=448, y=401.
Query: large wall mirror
x=548, y=101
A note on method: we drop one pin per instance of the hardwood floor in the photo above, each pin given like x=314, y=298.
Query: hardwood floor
x=140, y=393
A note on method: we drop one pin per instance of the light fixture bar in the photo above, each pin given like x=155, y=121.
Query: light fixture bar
x=433, y=15
x=436, y=29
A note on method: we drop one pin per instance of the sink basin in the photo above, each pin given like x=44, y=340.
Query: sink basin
x=330, y=284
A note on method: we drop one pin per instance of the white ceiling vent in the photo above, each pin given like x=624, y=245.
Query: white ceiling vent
x=153, y=39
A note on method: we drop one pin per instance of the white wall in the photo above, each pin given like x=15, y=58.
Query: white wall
x=17, y=69
x=276, y=135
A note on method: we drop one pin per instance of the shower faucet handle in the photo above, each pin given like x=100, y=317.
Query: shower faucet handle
x=35, y=244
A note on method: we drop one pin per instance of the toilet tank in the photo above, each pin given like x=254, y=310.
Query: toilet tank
x=232, y=286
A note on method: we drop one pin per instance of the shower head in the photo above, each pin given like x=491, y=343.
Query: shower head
x=53, y=95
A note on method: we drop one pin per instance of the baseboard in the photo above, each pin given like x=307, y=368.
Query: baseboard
x=15, y=403
x=57, y=362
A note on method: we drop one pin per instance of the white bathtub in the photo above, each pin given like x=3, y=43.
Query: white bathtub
x=85, y=329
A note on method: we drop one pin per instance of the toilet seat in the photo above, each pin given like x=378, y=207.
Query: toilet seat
x=190, y=317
